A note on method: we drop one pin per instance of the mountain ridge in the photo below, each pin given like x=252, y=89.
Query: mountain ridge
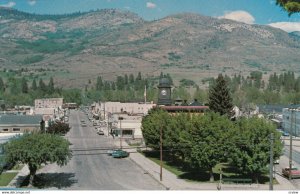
x=112, y=42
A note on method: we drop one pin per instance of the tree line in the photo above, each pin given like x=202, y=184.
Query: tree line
x=20, y=91
x=281, y=88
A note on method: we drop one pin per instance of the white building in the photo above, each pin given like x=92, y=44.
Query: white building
x=50, y=108
x=131, y=114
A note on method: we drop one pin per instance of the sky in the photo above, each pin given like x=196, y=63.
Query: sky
x=264, y=12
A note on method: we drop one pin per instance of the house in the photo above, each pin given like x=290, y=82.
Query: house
x=20, y=123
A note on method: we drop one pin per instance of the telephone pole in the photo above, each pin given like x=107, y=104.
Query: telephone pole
x=271, y=161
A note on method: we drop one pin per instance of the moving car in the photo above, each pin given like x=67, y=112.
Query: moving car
x=295, y=173
x=119, y=154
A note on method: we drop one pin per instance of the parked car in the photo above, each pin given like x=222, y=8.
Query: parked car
x=285, y=134
x=100, y=132
x=83, y=125
x=119, y=154
x=295, y=173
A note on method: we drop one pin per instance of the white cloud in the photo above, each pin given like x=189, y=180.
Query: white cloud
x=32, y=2
x=9, y=4
x=286, y=26
x=240, y=16
x=150, y=5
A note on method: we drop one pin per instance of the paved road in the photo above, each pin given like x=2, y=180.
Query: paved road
x=91, y=168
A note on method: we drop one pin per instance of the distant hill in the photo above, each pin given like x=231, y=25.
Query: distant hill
x=81, y=46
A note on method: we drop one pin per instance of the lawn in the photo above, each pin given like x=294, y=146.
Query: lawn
x=199, y=175
x=5, y=178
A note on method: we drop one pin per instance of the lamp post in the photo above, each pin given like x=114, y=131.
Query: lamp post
x=121, y=132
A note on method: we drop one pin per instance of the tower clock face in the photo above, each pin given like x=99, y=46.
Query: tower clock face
x=163, y=92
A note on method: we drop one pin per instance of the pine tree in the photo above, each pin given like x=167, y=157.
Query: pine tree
x=131, y=79
x=219, y=99
x=24, y=86
x=34, y=86
x=2, y=86
x=42, y=86
x=51, y=86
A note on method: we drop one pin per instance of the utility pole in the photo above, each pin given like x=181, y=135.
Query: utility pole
x=291, y=144
x=271, y=161
x=121, y=132
x=161, y=154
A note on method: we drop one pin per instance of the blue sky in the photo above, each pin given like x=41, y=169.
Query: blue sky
x=247, y=11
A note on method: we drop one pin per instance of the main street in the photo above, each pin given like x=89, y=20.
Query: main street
x=91, y=168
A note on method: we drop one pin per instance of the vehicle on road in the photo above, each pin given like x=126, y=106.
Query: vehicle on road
x=119, y=154
x=109, y=152
x=100, y=132
x=284, y=133
x=295, y=173
x=83, y=125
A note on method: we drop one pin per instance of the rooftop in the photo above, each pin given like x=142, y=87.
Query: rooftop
x=20, y=119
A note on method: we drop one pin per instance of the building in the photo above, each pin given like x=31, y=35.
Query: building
x=127, y=126
x=291, y=121
x=128, y=108
x=48, y=103
x=20, y=123
x=50, y=108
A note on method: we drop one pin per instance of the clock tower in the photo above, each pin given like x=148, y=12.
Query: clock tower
x=164, y=92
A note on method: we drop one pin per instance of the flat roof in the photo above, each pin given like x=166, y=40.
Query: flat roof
x=184, y=108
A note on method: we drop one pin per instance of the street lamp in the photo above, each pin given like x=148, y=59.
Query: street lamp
x=121, y=132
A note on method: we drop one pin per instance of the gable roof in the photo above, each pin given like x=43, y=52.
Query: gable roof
x=20, y=119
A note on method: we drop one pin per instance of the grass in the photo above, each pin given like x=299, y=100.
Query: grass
x=5, y=178
x=200, y=175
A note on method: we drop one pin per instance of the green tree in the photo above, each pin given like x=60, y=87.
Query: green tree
x=219, y=99
x=208, y=140
x=2, y=86
x=99, y=83
x=42, y=86
x=24, y=85
x=252, y=145
x=33, y=85
x=151, y=126
x=291, y=6
x=59, y=128
x=51, y=86
x=131, y=78
x=36, y=149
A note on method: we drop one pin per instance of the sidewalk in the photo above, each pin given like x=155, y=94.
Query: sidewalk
x=19, y=178
x=172, y=182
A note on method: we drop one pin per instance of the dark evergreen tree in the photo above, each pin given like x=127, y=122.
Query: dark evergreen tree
x=34, y=86
x=2, y=86
x=131, y=79
x=113, y=86
x=42, y=86
x=219, y=99
x=51, y=86
x=126, y=79
x=24, y=85
x=99, y=84
x=139, y=77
